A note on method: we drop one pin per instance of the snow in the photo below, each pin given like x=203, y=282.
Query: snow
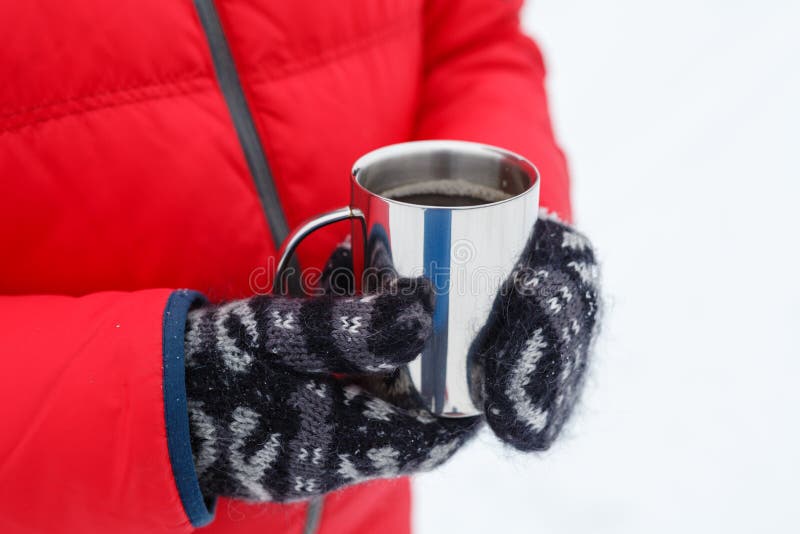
x=680, y=120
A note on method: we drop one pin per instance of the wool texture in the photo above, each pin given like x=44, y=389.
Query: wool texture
x=531, y=357
x=270, y=422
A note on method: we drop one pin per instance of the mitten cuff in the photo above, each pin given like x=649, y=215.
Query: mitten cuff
x=176, y=414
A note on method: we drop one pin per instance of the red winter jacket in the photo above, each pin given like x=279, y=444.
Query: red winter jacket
x=143, y=147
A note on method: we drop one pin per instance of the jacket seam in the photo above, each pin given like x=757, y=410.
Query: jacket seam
x=11, y=112
x=108, y=99
x=326, y=56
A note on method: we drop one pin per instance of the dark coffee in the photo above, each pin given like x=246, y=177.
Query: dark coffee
x=445, y=193
x=441, y=200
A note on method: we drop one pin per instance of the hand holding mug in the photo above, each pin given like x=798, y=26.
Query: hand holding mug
x=270, y=422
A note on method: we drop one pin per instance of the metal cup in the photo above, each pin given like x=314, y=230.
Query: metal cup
x=455, y=212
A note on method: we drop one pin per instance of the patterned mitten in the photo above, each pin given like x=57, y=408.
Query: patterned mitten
x=268, y=421
x=532, y=354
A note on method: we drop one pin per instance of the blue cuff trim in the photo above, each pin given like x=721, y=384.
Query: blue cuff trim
x=176, y=412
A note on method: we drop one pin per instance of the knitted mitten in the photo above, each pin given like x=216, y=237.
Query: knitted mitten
x=532, y=354
x=268, y=421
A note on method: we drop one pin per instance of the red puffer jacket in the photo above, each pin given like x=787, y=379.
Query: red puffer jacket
x=143, y=147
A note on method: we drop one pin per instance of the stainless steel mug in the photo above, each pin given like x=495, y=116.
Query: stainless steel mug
x=455, y=212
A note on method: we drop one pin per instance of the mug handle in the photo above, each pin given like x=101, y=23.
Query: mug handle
x=305, y=229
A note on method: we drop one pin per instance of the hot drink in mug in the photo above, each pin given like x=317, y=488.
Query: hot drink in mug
x=458, y=213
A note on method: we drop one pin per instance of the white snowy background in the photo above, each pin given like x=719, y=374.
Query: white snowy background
x=680, y=120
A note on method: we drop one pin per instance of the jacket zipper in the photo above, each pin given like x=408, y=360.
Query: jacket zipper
x=231, y=88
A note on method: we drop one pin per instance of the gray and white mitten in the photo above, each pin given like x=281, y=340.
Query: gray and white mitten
x=290, y=398
x=533, y=353
x=268, y=420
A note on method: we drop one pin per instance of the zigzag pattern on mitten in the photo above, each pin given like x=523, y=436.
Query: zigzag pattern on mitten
x=541, y=334
x=323, y=334
x=274, y=435
x=269, y=423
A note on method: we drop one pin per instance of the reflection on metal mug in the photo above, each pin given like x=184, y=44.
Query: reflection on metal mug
x=455, y=212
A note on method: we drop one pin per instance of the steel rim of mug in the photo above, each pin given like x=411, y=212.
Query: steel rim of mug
x=467, y=148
